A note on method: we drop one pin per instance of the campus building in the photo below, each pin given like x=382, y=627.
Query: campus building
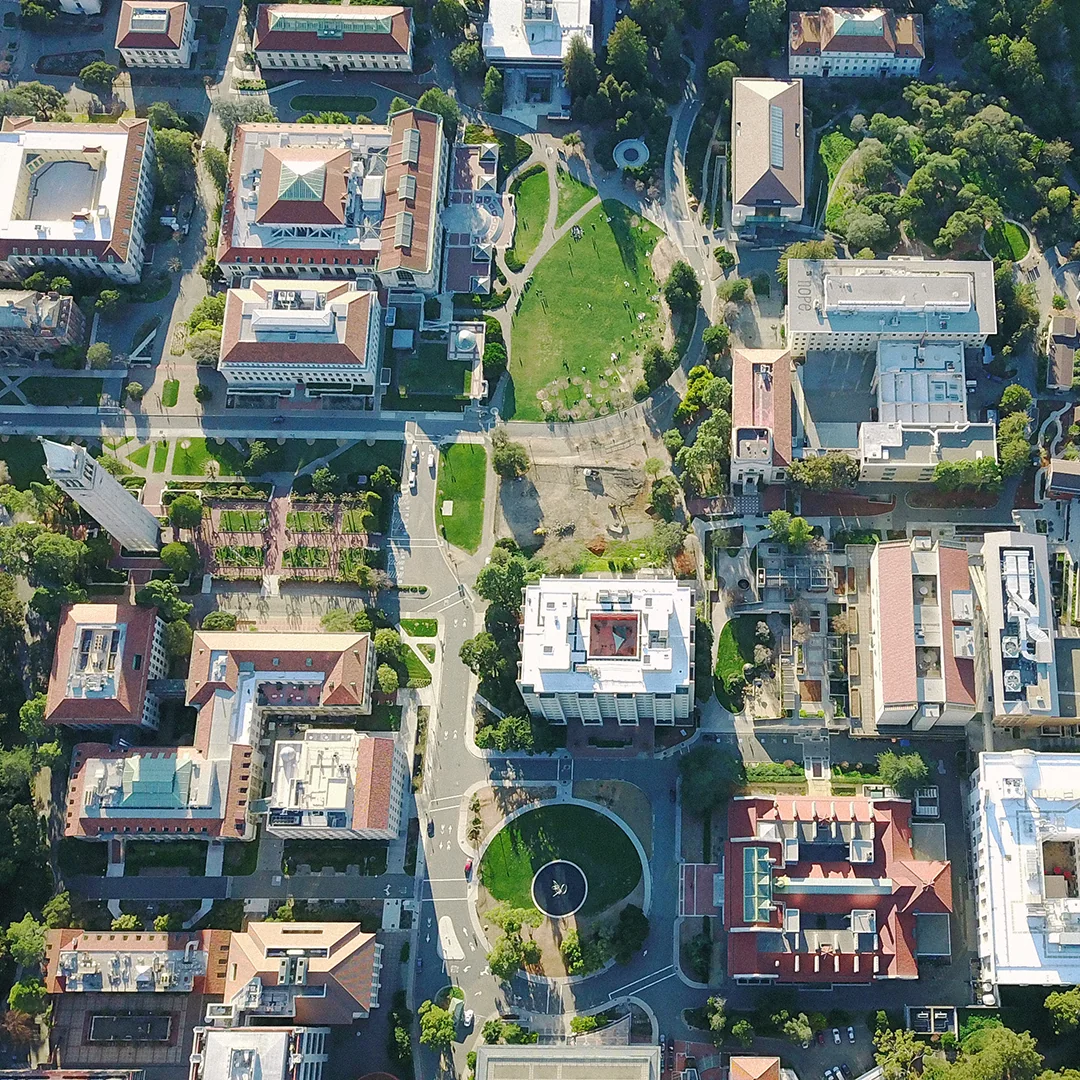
x=301, y=339
x=867, y=42
x=102, y=496
x=852, y=304
x=337, y=201
x=833, y=890
x=106, y=657
x=761, y=409
x=336, y=784
x=596, y=649
x=474, y=220
x=767, y=174
x=355, y=38
x=569, y=1061
x=922, y=637
x=302, y=972
x=1024, y=819
x=1018, y=628
x=33, y=320
x=157, y=34
x=1062, y=344
x=266, y=1053
x=527, y=40
x=74, y=198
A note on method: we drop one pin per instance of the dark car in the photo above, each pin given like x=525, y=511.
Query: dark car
x=431, y=827
x=821, y=1038
x=845, y=1070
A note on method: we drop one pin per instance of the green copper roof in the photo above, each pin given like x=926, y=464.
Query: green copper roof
x=302, y=181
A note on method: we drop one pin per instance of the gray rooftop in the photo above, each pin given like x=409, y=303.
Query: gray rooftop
x=636, y=1062
x=915, y=444
x=899, y=296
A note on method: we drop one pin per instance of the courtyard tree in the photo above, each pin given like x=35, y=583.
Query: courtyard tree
x=99, y=77
x=185, y=512
x=441, y=103
x=324, y=480
x=502, y=580
x=579, y=69
x=231, y=113
x=387, y=678
x=709, y=776
x=665, y=495
x=902, y=772
x=32, y=718
x=220, y=620
x=1064, y=1009
x=99, y=355
x=216, y=163
x=831, y=471
x=493, y=90
x=765, y=22
x=467, y=59
x=28, y=995
x=436, y=1026
x=204, y=345
x=26, y=941
x=175, y=162
x=57, y=559
x=509, y=459
x=1014, y=398
x=716, y=1014
x=165, y=596
x=716, y=339
x=482, y=656
x=627, y=52
x=57, y=911
x=20, y=1028
x=797, y=1029
x=682, y=290
x=780, y=525
x=36, y=99
x=800, y=533
x=742, y=1031
x=505, y=958
x=449, y=17
x=181, y=558
x=258, y=456
x=108, y=300
x=178, y=638
x=134, y=391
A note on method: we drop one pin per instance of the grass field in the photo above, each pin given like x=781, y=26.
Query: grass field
x=531, y=197
x=419, y=675
x=578, y=312
x=573, y=195
x=1007, y=241
x=362, y=460
x=241, y=859
x=170, y=393
x=346, y=103
x=149, y=854
x=599, y=846
x=141, y=457
x=24, y=459
x=420, y=627
x=462, y=478
x=242, y=520
x=835, y=149
x=296, y=453
x=734, y=649
x=43, y=390
x=192, y=456
x=432, y=373
x=307, y=521
x=352, y=521
x=369, y=855
x=303, y=557
x=161, y=456
x=240, y=555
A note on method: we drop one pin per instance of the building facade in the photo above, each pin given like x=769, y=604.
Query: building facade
x=1024, y=822
x=599, y=649
x=855, y=42
x=358, y=38
x=102, y=496
x=767, y=173
x=304, y=338
x=33, y=320
x=75, y=197
x=155, y=34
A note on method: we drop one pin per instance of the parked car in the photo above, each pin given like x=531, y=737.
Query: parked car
x=836, y=1036
x=419, y=963
x=415, y=454
x=467, y=1018
x=431, y=827
x=821, y=1038
x=468, y=871
x=431, y=464
x=845, y=1070
x=412, y=478
x=850, y=1034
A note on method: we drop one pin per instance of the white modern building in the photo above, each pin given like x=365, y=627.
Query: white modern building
x=619, y=649
x=155, y=34
x=103, y=497
x=306, y=337
x=354, y=38
x=852, y=304
x=527, y=40
x=336, y=784
x=767, y=173
x=81, y=7
x=75, y=197
x=1025, y=846
x=1018, y=610
x=337, y=201
x=268, y=1053
x=870, y=42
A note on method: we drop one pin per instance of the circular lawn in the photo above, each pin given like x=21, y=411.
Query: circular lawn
x=592, y=842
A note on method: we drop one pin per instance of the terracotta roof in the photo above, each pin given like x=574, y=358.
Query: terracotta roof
x=346, y=972
x=959, y=671
x=303, y=185
x=767, y=170
x=373, y=784
x=756, y=405
x=269, y=39
x=127, y=706
x=813, y=33
x=754, y=1068
x=169, y=37
x=896, y=604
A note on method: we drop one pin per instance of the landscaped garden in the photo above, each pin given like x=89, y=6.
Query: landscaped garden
x=420, y=627
x=193, y=458
x=1007, y=241
x=189, y=855
x=307, y=521
x=734, y=649
x=24, y=459
x=368, y=855
x=586, y=319
x=304, y=557
x=242, y=555
x=44, y=390
x=242, y=520
x=346, y=103
x=170, y=393
x=531, y=194
x=462, y=479
x=573, y=195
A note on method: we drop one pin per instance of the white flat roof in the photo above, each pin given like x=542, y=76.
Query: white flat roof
x=921, y=383
x=1027, y=807
x=638, y=1062
x=539, y=30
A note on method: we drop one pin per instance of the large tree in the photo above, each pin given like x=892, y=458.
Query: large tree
x=627, y=53
x=579, y=69
x=709, y=777
x=903, y=772
x=442, y=104
x=826, y=472
x=503, y=579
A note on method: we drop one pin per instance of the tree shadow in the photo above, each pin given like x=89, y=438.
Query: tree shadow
x=623, y=233
x=521, y=509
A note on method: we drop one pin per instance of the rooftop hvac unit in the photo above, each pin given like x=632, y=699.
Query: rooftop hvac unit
x=1010, y=647
x=1013, y=682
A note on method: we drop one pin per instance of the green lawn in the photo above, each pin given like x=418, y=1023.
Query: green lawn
x=369, y=855
x=432, y=373
x=141, y=457
x=242, y=521
x=303, y=557
x=352, y=521
x=240, y=555
x=835, y=149
x=382, y=718
x=573, y=195
x=75, y=856
x=462, y=478
x=307, y=521
x=192, y=455
x=152, y=854
x=531, y=196
x=419, y=675
x=735, y=647
x=170, y=393
x=296, y=453
x=24, y=459
x=362, y=460
x=420, y=627
x=43, y=390
x=161, y=456
x=599, y=846
x=346, y=103
x=241, y=858
x=1007, y=241
x=512, y=150
x=578, y=312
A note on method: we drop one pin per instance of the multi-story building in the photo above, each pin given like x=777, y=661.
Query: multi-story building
x=1024, y=821
x=821, y=890
x=596, y=649
x=474, y=220
x=102, y=496
x=1018, y=632
x=922, y=636
x=305, y=972
x=761, y=406
x=269, y=1053
x=527, y=41
x=852, y=304
x=337, y=201
x=336, y=784
x=1062, y=344
x=359, y=37
x=855, y=42
x=155, y=33
x=565, y=1061
x=305, y=337
x=106, y=657
x=33, y=320
x=767, y=180
x=78, y=196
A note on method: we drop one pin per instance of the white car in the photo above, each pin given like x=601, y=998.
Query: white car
x=415, y=454
x=467, y=1018
x=836, y=1036
x=412, y=487
x=850, y=1034
x=431, y=463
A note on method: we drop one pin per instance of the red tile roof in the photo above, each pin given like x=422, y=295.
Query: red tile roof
x=756, y=403
x=373, y=784
x=896, y=602
x=396, y=43
x=170, y=38
x=959, y=671
x=813, y=33
x=327, y=165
